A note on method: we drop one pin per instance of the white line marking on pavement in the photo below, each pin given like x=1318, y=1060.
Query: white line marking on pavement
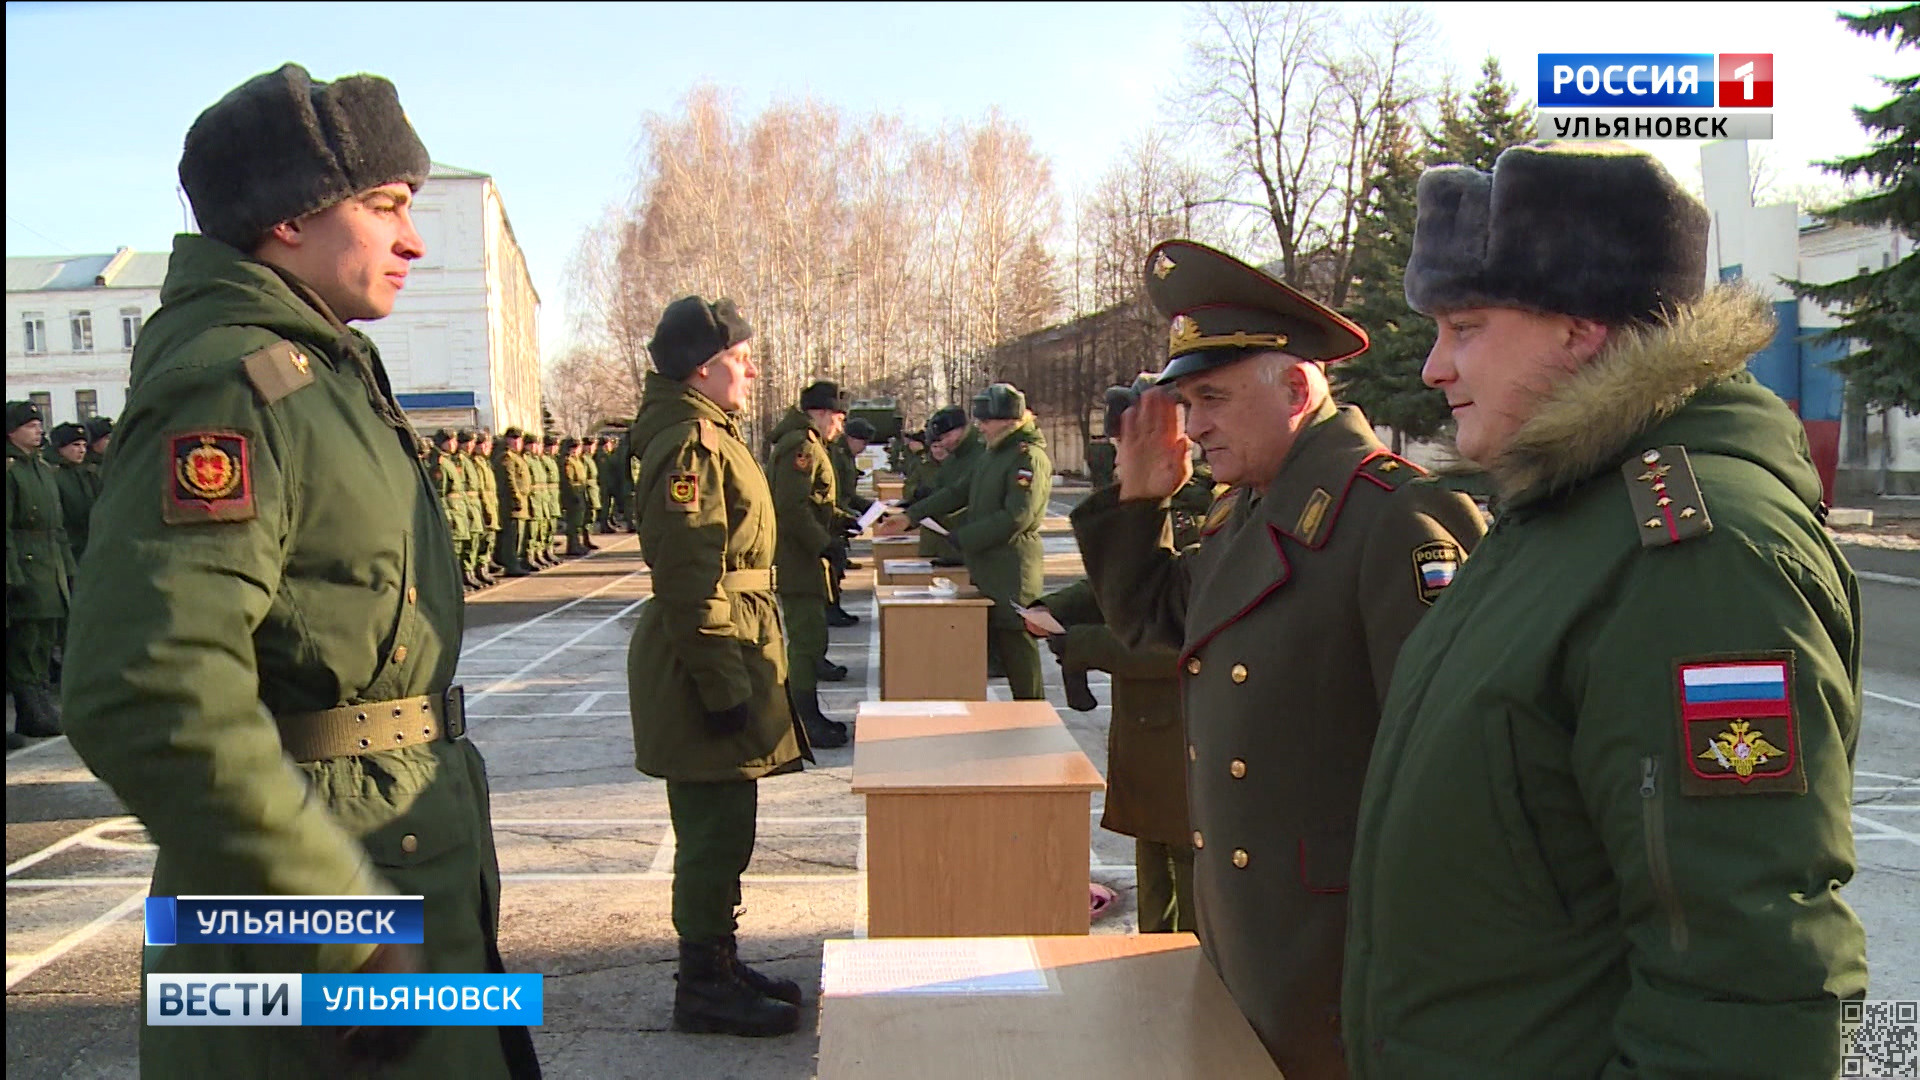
x=1891, y=698
x=59, y=846
x=588, y=702
x=74, y=882
x=1884, y=831
x=31, y=747
x=1887, y=579
x=65, y=945
x=1888, y=776
x=544, y=616
x=663, y=855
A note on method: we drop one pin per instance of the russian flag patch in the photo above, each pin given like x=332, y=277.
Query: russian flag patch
x=1737, y=725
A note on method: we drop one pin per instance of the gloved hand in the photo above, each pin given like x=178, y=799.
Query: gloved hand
x=378, y=1046
x=1057, y=643
x=729, y=721
x=851, y=529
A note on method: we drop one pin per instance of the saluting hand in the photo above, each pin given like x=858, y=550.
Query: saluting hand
x=1154, y=457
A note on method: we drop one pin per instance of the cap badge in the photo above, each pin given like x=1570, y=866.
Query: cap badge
x=1162, y=266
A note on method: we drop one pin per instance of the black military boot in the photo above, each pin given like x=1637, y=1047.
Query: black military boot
x=574, y=546
x=472, y=580
x=839, y=616
x=712, y=999
x=827, y=671
x=15, y=740
x=778, y=989
x=822, y=733
x=36, y=712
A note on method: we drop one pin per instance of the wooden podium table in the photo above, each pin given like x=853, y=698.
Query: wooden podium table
x=896, y=547
x=1122, y=1007
x=917, y=571
x=889, y=488
x=932, y=648
x=977, y=818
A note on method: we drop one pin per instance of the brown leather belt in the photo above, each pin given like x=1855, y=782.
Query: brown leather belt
x=352, y=730
x=761, y=580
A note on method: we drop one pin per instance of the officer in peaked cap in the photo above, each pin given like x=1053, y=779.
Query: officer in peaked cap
x=1306, y=579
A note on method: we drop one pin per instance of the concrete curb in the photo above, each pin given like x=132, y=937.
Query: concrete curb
x=1887, y=579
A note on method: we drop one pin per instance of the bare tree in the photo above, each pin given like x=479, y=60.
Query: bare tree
x=587, y=389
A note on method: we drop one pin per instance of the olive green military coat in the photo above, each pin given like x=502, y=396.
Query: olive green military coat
x=955, y=472
x=450, y=480
x=268, y=544
x=514, y=483
x=79, y=487
x=483, y=491
x=846, y=474
x=806, y=501
x=1006, y=500
x=703, y=643
x=1575, y=858
x=39, y=562
x=590, y=480
x=573, y=484
x=1289, y=616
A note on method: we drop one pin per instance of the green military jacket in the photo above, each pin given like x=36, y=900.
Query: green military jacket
x=590, y=481
x=79, y=487
x=607, y=472
x=1146, y=734
x=1607, y=819
x=1006, y=500
x=39, y=561
x=482, y=492
x=806, y=500
x=710, y=638
x=573, y=483
x=554, y=467
x=846, y=474
x=270, y=545
x=1289, y=615
x=450, y=480
x=955, y=472
x=514, y=476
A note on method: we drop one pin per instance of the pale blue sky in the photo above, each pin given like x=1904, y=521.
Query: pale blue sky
x=547, y=97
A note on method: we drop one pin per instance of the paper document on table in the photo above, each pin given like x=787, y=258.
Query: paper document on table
x=909, y=566
x=1041, y=618
x=933, y=526
x=933, y=966
x=872, y=515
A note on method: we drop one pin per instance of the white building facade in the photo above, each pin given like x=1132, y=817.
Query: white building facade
x=461, y=347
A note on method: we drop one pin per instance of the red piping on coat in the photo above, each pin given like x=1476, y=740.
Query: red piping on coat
x=1286, y=574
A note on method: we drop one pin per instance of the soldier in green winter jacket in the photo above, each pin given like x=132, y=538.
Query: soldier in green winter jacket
x=272, y=561
x=79, y=484
x=555, y=464
x=450, y=480
x=538, y=552
x=1006, y=500
x=1607, y=819
x=486, y=485
x=590, y=491
x=706, y=671
x=573, y=494
x=39, y=574
x=513, y=483
x=958, y=446
x=482, y=517
x=807, y=505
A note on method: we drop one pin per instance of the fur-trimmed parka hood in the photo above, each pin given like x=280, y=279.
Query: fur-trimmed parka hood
x=1681, y=381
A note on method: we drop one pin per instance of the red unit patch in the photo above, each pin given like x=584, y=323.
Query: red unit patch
x=209, y=478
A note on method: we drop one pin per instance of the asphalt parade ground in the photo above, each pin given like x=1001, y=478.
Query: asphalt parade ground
x=586, y=850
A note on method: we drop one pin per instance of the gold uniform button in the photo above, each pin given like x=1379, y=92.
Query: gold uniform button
x=1238, y=769
x=1198, y=840
x=1193, y=752
x=1240, y=858
x=409, y=843
x=1193, y=666
x=400, y=655
x=413, y=594
x=1239, y=673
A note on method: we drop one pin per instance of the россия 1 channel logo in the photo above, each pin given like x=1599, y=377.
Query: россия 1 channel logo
x=1688, y=95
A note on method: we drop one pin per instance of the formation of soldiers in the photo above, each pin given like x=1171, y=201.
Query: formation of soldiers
x=508, y=505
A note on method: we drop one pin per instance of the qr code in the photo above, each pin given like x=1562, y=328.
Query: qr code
x=1881, y=1038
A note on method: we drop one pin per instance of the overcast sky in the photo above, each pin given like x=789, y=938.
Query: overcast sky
x=547, y=97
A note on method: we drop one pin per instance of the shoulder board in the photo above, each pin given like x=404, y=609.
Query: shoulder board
x=1667, y=504
x=278, y=370
x=709, y=434
x=1389, y=470
x=1221, y=510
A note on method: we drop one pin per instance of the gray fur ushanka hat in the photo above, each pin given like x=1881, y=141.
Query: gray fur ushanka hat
x=1598, y=230
x=280, y=146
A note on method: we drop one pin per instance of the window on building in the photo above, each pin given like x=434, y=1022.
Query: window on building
x=43, y=401
x=35, y=325
x=129, y=326
x=82, y=323
x=86, y=404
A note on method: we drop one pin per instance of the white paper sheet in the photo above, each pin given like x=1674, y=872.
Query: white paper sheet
x=872, y=514
x=1041, y=618
x=933, y=526
x=932, y=966
x=909, y=566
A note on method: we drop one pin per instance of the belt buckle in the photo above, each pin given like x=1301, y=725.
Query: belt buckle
x=454, y=708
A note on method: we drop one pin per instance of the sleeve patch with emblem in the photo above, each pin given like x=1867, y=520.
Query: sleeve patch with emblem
x=1023, y=477
x=803, y=461
x=209, y=478
x=1434, y=565
x=1737, y=725
x=683, y=491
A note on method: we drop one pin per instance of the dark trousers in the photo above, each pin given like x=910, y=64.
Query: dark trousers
x=1164, y=873
x=713, y=825
x=30, y=645
x=806, y=626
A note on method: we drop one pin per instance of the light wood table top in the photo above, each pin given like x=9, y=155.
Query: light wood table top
x=1119, y=1007
x=966, y=746
x=917, y=595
